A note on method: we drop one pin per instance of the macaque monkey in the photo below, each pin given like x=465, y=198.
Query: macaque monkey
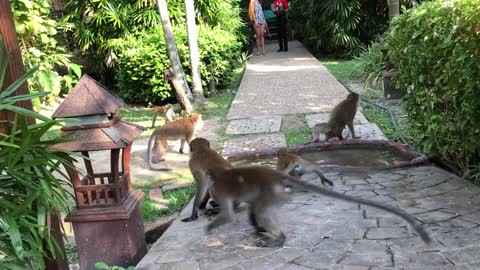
x=296, y=166
x=165, y=111
x=342, y=115
x=202, y=159
x=182, y=129
x=264, y=188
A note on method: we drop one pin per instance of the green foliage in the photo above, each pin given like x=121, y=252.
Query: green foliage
x=40, y=45
x=339, y=27
x=298, y=136
x=370, y=61
x=177, y=199
x=140, y=66
x=32, y=182
x=104, y=266
x=436, y=50
x=98, y=26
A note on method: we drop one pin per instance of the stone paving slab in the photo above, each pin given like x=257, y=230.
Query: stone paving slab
x=254, y=125
x=313, y=119
x=324, y=233
x=254, y=142
x=285, y=83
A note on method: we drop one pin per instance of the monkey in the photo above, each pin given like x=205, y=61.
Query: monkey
x=202, y=159
x=294, y=165
x=165, y=111
x=182, y=129
x=342, y=115
x=264, y=188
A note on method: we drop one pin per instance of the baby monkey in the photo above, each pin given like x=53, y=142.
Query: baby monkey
x=294, y=165
x=264, y=188
x=165, y=111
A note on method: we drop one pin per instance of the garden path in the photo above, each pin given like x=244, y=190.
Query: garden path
x=324, y=233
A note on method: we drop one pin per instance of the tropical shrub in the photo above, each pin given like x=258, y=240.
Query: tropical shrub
x=436, y=50
x=140, y=65
x=370, y=61
x=339, y=27
x=98, y=27
x=40, y=40
x=32, y=182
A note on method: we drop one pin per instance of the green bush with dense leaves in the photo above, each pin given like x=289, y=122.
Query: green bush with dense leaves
x=140, y=65
x=337, y=27
x=370, y=61
x=42, y=44
x=32, y=181
x=436, y=50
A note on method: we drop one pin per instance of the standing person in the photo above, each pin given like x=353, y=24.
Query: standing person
x=280, y=7
x=255, y=12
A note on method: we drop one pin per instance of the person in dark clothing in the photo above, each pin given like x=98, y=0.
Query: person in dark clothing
x=280, y=7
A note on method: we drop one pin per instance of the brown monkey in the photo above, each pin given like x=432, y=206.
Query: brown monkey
x=183, y=129
x=264, y=188
x=202, y=159
x=342, y=115
x=294, y=165
x=165, y=111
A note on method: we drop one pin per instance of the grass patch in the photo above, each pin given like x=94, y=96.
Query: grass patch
x=298, y=136
x=343, y=70
x=218, y=106
x=177, y=199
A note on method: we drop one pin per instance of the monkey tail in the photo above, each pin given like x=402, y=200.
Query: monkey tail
x=149, y=156
x=323, y=178
x=409, y=218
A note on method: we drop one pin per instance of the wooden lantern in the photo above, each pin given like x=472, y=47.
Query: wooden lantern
x=107, y=220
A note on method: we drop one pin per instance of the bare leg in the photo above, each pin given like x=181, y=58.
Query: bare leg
x=262, y=38
x=257, y=39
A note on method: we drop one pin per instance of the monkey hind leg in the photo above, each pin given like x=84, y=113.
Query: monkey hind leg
x=253, y=220
x=225, y=216
x=350, y=126
x=266, y=218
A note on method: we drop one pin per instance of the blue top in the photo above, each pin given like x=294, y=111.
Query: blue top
x=259, y=18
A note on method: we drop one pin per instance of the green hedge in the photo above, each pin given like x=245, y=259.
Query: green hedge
x=436, y=50
x=140, y=65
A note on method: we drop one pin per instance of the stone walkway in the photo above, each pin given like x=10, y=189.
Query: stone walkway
x=324, y=233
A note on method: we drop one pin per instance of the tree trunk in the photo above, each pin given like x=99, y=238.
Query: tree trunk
x=172, y=48
x=393, y=8
x=198, y=96
x=176, y=82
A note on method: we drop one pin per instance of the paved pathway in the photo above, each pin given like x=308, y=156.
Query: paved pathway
x=324, y=233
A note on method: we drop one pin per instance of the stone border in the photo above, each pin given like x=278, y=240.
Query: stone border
x=416, y=157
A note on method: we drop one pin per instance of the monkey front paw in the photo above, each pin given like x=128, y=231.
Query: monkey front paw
x=212, y=212
x=189, y=219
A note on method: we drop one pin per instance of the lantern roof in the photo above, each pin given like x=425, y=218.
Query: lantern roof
x=118, y=135
x=88, y=97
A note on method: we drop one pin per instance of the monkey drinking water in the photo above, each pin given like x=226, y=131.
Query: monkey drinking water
x=183, y=129
x=264, y=188
x=294, y=165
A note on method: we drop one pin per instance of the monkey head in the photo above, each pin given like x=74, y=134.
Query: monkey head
x=199, y=144
x=354, y=97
